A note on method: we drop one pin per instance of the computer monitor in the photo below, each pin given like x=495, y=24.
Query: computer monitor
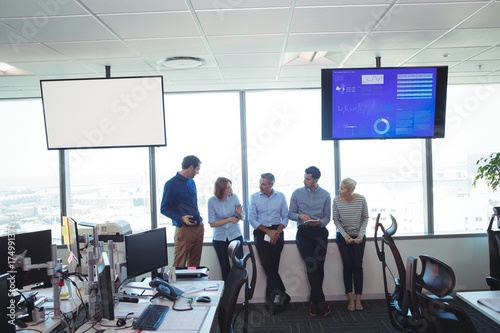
x=70, y=238
x=36, y=245
x=7, y=308
x=146, y=251
x=105, y=285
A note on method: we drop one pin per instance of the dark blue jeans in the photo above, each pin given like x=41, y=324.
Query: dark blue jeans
x=221, y=250
x=312, y=243
x=270, y=255
x=352, y=258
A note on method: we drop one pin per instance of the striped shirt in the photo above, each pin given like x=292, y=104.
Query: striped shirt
x=350, y=218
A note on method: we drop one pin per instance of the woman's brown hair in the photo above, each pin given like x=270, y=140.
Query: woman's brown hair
x=220, y=187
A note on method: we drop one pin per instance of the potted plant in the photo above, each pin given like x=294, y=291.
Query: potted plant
x=489, y=170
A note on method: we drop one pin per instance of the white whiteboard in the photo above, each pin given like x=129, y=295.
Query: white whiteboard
x=104, y=112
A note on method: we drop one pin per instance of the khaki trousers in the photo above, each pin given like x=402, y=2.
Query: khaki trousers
x=188, y=246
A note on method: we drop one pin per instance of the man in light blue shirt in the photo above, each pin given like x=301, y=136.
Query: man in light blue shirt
x=269, y=216
x=311, y=207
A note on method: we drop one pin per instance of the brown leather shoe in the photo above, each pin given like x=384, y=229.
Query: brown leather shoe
x=324, y=309
x=313, y=310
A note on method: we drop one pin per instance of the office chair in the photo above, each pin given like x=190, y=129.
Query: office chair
x=494, y=251
x=249, y=286
x=429, y=291
x=238, y=276
x=397, y=301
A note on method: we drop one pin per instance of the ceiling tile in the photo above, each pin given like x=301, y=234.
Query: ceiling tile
x=233, y=73
x=244, y=22
x=334, y=19
x=169, y=47
x=133, y=6
x=246, y=44
x=62, y=29
x=427, y=16
x=32, y=11
x=399, y=40
x=335, y=42
x=229, y=5
x=490, y=54
x=47, y=67
x=469, y=38
x=28, y=52
x=248, y=60
x=93, y=50
x=488, y=17
x=151, y=25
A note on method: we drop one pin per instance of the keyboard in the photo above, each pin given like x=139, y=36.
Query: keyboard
x=151, y=317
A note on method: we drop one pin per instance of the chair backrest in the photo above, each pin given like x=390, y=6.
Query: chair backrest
x=250, y=287
x=396, y=301
x=416, y=320
x=238, y=276
x=494, y=254
x=435, y=281
x=411, y=284
x=436, y=276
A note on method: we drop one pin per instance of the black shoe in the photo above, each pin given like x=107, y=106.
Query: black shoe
x=284, y=300
x=270, y=307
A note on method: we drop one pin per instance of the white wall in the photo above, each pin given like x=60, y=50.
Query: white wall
x=468, y=256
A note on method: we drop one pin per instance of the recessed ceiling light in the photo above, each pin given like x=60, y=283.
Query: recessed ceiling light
x=312, y=55
x=181, y=62
x=5, y=67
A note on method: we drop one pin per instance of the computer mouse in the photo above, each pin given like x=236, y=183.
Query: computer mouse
x=204, y=299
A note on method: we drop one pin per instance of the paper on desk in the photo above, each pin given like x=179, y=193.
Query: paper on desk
x=183, y=321
x=195, y=287
x=124, y=308
x=492, y=303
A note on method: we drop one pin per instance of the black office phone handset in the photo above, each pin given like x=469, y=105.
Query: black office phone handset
x=164, y=289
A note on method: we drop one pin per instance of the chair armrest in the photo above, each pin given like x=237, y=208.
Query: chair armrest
x=493, y=282
x=444, y=298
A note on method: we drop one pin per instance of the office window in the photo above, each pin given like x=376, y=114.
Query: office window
x=206, y=125
x=110, y=185
x=472, y=120
x=389, y=174
x=29, y=179
x=284, y=138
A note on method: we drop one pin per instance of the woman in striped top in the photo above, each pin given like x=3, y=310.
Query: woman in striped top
x=350, y=215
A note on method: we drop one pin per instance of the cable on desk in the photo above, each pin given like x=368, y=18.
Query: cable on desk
x=189, y=302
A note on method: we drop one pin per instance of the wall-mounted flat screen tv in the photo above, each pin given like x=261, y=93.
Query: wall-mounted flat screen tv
x=383, y=102
x=104, y=112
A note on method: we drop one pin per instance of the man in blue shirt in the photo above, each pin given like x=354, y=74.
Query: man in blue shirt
x=269, y=216
x=311, y=207
x=180, y=203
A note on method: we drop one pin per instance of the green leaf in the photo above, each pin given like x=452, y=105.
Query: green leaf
x=489, y=171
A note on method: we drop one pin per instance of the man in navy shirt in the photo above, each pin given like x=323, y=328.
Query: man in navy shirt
x=180, y=203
